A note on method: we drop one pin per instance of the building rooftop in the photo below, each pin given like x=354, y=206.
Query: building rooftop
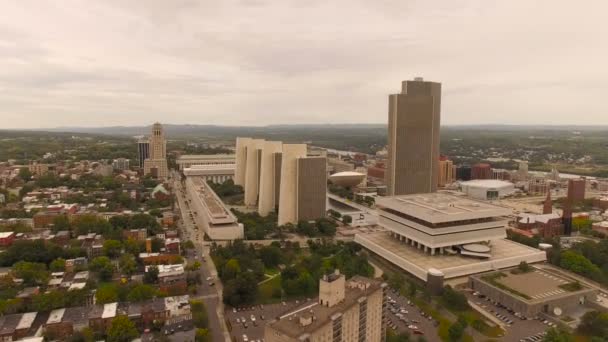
x=290, y=325
x=441, y=207
x=217, y=212
x=55, y=316
x=187, y=157
x=487, y=183
x=534, y=286
x=505, y=253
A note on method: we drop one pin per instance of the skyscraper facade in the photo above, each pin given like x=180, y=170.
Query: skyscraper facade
x=156, y=164
x=446, y=172
x=413, y=138
x=143, y=152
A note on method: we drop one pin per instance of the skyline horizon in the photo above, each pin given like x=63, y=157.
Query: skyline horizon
x=259, y=62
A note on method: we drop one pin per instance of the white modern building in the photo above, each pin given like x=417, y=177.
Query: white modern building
x=215, y=173
x=487, y=189
x=189, y=160
x=450, y=234
x=270, y=173
x=210, y=213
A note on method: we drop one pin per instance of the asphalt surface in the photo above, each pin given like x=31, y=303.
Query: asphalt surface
x=255, y=331
x=412, y=317
x=519, y=329
x=210, y=295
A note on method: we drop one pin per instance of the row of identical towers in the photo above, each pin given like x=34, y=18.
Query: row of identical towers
x=281, y=177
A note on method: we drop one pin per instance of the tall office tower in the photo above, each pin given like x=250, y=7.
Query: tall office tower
x=156, y=164
x=522, y=172
x=241, y=160
x=348, y=311
x=252, y=171
x=446, y=172
x=548, y=204
x=143, y=151
x=311, y=195
x=413, y=138
x=268, y=177
x=576, y=189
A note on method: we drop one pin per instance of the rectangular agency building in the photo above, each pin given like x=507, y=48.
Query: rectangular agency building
x=347, y=311
x=452, y=235
x=211, y=213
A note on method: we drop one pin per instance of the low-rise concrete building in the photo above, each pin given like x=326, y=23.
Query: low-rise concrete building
x=534, y=292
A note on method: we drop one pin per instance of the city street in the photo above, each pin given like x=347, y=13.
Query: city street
x=210, y=295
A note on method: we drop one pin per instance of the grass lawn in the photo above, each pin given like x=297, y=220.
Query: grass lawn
x=267, y=291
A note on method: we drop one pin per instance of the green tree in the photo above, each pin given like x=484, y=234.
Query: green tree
x=524, y=267
x=107, y=293
x=202, y=335
x=48, y=301
x=453, y=299
x=594, y=323
x=578, y=263
x=103, y=266
x=32, y=273
x=57, y=265
x=122, y=329
x=557, y=335
x=61, y=222
x=25, y=174
x=456, y=331
x=127, y=264
x=112, y=248
x=193, y=266
x=141, y=292
x=151, y=276
x=270, y=255
x=231, y=269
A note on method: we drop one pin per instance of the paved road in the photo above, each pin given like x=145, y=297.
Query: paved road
x=210, y=295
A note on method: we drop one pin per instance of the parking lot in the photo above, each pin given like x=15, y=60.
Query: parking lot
x=405, y=316
x=517, y=328
x=250, y=320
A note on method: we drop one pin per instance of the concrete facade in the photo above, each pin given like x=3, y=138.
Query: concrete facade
x=156, y=164
x=252, y=171
x=267, y=194
x=547, y=300
x=288, y=187
x=355, y=313
x=190, y=160
x=211, y=214
x=312, y=188
x=413, y=138
x=241, y=160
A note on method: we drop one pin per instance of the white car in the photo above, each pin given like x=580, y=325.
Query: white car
x=413, y=327
x=245, y=339
x=252, y=318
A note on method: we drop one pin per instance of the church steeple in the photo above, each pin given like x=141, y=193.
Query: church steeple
x=548, y=204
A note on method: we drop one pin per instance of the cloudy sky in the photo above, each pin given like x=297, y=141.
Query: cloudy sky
x=257, y=62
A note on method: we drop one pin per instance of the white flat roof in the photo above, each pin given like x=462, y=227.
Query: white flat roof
x=109, y=310
x=441, y=207
x=55, y=316
x=26, y=320
x=504, y=254
x=488, y=183
x=4, y=235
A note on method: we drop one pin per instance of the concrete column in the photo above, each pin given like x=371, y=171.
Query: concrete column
x=252, y=174
x=267, y=200
x=288, y=187
x=433, y=251
x=241, y=160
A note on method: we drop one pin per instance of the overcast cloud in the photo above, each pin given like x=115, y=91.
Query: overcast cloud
x=257, y=62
